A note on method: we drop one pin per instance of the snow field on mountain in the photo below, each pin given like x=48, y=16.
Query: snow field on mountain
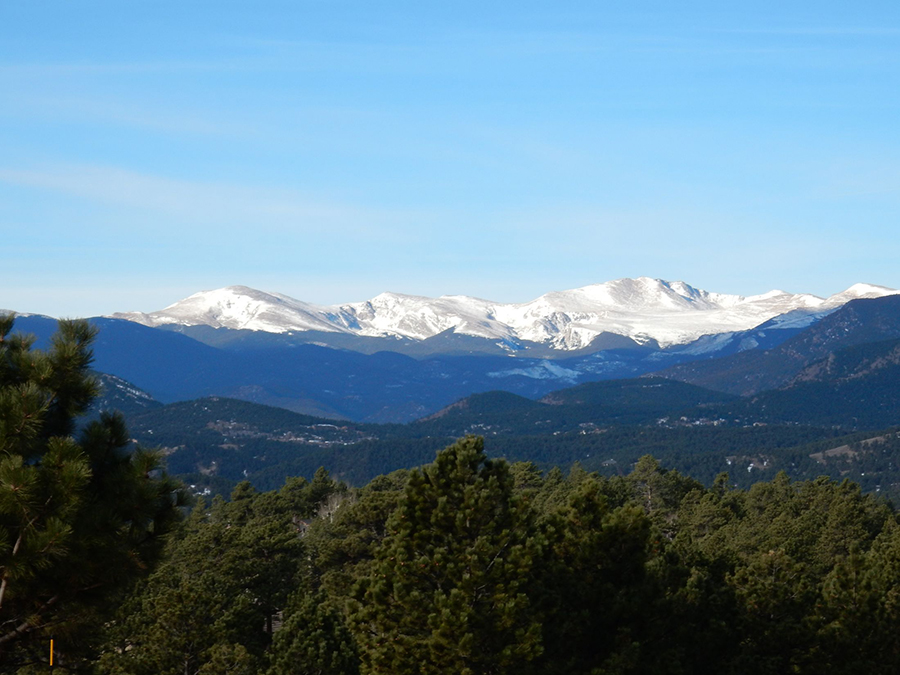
x=642, y=309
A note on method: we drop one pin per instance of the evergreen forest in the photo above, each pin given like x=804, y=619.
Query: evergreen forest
x=468, y=564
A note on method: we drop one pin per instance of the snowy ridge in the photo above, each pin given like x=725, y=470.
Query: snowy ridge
x=643, y=309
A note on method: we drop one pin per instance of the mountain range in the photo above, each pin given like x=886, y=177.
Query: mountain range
x=615, y=314
x=753, y=371
x=384, y=361
x=755, y=398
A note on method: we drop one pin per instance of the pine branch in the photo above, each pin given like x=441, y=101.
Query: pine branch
x=26, y=626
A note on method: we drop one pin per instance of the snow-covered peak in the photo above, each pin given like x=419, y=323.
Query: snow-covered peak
x=638, y=294
x=419, y=317
x=643, y=309
x=240, y=307
x=857, y=291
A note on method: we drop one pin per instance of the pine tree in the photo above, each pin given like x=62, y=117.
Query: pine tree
x=215, y=602
x=594, y=589
x=80, y=518
x=314, y=639
x=448, y=591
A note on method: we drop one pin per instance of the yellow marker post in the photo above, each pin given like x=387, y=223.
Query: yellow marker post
x=51, y=652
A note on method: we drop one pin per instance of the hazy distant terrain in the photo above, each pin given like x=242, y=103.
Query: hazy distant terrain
x=227, y=404
x=225, y=343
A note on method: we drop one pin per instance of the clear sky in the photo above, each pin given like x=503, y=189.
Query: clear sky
x=332, y=150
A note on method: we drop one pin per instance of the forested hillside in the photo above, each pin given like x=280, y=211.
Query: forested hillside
x=216, y=442
x=470, y=565
x=592, y=531
x=749, y=372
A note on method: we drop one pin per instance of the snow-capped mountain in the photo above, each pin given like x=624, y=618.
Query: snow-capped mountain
x=645, y=310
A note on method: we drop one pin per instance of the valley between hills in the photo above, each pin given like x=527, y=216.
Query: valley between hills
x=650, y=493
x=812, y=391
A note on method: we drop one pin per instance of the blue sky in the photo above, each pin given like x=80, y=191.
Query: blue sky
x=334, y=150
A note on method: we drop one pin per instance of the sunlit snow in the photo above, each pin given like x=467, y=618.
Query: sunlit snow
x=642, y=309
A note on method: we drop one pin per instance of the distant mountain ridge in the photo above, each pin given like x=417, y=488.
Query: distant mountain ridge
x=643, y=311
x=752, y=371
x=841, y=374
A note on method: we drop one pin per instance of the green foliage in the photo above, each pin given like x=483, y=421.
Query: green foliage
x=467, y=565
x=861, y=613
x=448, y=590
x=213, y=606
x=594, y=587
x=770, y=552
x=343, y=545
x=472, y=565
x=80, y=517
x=314, y=639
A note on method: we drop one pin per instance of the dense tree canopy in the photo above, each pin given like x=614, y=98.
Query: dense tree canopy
x=466, y=565
x=474, y=565
x=82, y=513
x=449, y=588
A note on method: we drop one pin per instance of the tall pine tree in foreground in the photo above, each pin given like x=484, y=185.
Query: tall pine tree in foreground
x=81, y=515
x=448, y=590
